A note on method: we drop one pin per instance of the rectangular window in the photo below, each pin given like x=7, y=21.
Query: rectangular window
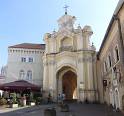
x=23, y=59
x=110, y=62
x=30, y=59
x=117, y=54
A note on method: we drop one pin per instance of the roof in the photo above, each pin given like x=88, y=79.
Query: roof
x=19, y=85
x=119, y=6
x=29, y=46
x=2, y=77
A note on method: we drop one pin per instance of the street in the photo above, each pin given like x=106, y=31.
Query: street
x=75, y=110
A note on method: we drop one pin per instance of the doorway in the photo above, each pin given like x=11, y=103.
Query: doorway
x=69, y=85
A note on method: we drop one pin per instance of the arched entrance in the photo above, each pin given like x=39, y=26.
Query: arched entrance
x=116, y=99
x=111, y=97
x=67, y=83
x=123, y=102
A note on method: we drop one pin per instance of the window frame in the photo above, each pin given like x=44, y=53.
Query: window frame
x=109, y=60
x=29, y=75
x=23, y=59
x=22, y=74
x=30, y=59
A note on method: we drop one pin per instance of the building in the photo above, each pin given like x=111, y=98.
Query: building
x=2, y=78
x=25, y=63
x=3, y=74
x=110, y=64
x=70, y=62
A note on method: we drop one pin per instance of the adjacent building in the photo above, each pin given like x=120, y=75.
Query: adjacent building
x=3, y=74
x=110, y=64
x=2, y=77
x=25, y=63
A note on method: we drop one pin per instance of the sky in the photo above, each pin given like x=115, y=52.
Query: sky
x=26, y=21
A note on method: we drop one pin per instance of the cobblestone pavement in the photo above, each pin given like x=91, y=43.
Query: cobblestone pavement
x=75, y=110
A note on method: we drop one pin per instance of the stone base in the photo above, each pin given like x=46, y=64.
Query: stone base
x=14, y=106
x=64, y=108
x=88, y=96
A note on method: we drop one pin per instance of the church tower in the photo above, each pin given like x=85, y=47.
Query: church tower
x=70, y=62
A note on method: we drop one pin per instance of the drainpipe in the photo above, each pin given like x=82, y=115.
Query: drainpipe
x=120, y=34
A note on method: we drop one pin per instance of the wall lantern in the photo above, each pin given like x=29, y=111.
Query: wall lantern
x=104, y=83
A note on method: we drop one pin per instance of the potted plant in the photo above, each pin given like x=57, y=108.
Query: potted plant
x=38, y=100
x=15, y=104
x=32, y=103
x=64, y=107
x=13, y=101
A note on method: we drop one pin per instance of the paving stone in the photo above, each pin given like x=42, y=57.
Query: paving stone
x=76, y=109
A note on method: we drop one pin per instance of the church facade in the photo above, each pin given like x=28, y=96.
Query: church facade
x=69, y=62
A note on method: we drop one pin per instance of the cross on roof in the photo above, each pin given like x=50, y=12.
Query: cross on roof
x=66, y=8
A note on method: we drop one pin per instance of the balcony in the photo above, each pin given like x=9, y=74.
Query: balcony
x=66, y=48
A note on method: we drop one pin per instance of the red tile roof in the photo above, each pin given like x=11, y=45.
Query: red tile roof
x=29, y=46
x=2, y=77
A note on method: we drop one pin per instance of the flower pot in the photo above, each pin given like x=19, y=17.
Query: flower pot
x=64, y=108
x=13, y=105
x=32, y=103
x=50, y=112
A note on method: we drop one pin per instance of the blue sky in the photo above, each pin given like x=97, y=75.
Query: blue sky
x=28, y=20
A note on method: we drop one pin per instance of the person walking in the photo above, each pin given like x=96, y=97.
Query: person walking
x=59, y=98
x=63, y=98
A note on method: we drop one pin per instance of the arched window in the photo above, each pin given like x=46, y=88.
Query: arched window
x=29, y=75
x=21, y=74
x=66, y=44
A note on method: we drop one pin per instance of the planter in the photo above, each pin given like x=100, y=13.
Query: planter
x=50, y=112
x=32, y=103
x=64, y=108
x=14, y=106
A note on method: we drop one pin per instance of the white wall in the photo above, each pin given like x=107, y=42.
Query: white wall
x=15, y=64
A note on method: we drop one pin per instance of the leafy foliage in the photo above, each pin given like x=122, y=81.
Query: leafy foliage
x=3, y=101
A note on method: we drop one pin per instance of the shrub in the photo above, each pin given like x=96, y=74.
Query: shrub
x=39, y=100
x=3, y=101
x=37, y=96
x=13, y=96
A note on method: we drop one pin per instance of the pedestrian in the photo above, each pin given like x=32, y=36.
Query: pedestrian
x=59, y=98
x=49, y=98
x=63, y=98
x=24, y=100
